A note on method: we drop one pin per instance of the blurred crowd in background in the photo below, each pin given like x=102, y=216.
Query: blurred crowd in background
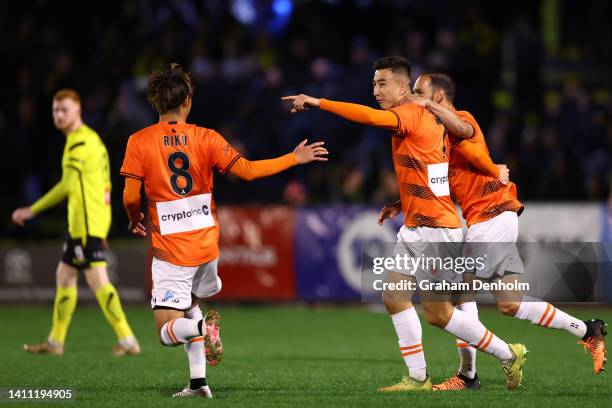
x=536, y=74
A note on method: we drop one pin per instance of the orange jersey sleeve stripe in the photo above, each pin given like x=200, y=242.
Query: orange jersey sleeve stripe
x=129, y=175
x=232, y=163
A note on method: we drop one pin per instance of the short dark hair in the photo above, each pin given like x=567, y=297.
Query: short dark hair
x=394, y=63
x=440, y=80
x=168, y=89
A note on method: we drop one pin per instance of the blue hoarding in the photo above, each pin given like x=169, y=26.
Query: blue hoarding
x=329, y=241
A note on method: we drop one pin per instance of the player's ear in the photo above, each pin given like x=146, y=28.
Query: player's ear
x=186, y=105
x=439, y=96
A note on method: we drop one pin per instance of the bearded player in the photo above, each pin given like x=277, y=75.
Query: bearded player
x=491, y=211
x=420, y=158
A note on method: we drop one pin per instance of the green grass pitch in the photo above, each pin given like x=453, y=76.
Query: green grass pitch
x=293, y=356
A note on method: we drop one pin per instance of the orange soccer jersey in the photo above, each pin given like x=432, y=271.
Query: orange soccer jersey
x=420, y=156
x=175, y=162
x=481, y=197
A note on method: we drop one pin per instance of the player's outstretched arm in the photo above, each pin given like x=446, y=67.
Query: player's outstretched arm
x=453, y=123
x=389, y=211
x=303, y=153
x=131, y=202
x=352, y=111
x=52, y=198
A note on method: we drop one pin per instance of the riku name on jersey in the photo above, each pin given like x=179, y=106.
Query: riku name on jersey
x=175, y=140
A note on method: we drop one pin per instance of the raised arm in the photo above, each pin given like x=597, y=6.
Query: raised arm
x=351, y=111
x=251, y=170
x=361, y=114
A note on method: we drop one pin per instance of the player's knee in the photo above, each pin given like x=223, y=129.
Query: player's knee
x=386, y=299
x=393, y=304
x=508, y=308
x=66, y=276
x=395, y=307
x=438, y=316
x=96, y=277
x=436, y=319
x=67, y=282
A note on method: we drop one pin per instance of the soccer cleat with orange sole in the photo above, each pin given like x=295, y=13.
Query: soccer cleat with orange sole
x=594, y=343
x=457, y=383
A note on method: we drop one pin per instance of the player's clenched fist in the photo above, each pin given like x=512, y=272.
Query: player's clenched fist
x=302, y=102
x=312, y=152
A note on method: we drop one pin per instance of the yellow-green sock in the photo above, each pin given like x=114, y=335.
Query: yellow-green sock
x=63, y=309
x=111, y=307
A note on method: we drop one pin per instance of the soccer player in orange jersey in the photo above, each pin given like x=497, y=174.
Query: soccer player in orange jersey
x=420, y=157
x=174, y=161
x=491, y=210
